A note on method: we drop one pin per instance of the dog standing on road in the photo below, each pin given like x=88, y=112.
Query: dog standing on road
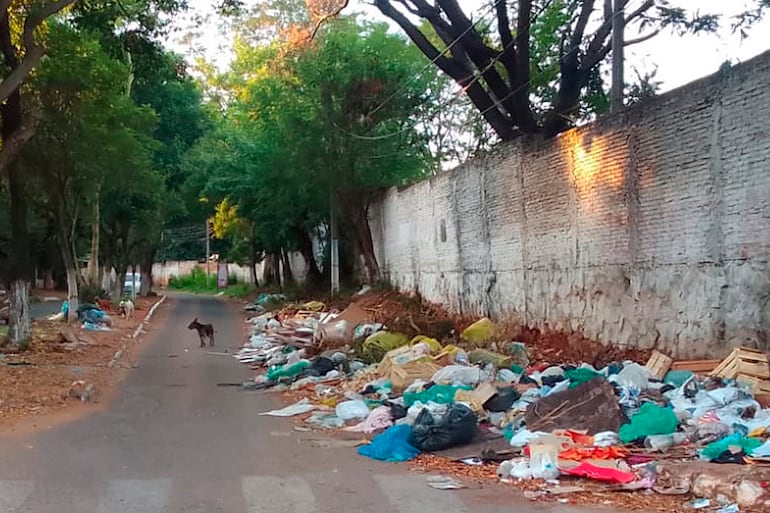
x=205, y=331
x=127, y=308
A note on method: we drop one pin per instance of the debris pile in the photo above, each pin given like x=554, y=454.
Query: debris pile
x=477, y=398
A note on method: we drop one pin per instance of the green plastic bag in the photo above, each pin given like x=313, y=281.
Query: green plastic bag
x=375, y=347
x=287, y=371
x=651, y=420
x=714, y=449
x=442, y=394
x=579, y=376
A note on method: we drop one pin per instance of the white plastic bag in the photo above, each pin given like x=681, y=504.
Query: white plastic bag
x=457, y=375
x=352, y=410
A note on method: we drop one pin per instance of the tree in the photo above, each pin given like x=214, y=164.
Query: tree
x=500, y=69
x=89, y=129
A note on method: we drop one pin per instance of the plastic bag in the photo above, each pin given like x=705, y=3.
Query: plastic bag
x=713, y=450
x=391, y=445
x=351, y=410
x=480, y=331
x=442, y=394
x=457, y=375
x=543, y=461
x=635, y=376
x=287, y=371
x=651, y=420
x=375, y=346
x=502, y=400
x=457, y=427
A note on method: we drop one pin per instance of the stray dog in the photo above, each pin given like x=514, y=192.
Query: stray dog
x=127, y=308
x=205, y=331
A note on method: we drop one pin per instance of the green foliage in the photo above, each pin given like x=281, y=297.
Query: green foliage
x=198, y=283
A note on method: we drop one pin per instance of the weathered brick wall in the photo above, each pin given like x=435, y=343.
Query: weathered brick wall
x=650, y=228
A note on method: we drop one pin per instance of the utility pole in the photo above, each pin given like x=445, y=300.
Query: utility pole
x=618, y=27
x=335, y=249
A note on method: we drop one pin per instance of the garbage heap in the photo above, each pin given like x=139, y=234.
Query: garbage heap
x=622, y=425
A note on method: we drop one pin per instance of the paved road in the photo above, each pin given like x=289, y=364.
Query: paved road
x=173, y=441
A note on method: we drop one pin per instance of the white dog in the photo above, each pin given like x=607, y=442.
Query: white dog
x=127, y=306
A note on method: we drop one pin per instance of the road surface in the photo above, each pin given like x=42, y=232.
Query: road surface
x=172, y=441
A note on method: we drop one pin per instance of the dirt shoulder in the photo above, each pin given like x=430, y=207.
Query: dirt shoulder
x=50, y=380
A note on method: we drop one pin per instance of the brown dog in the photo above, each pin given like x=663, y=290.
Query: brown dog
x=205, y=331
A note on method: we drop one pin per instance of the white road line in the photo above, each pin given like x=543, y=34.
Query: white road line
x=13, y=494
x=411, y=494
x=273, y=494
x=136, y=496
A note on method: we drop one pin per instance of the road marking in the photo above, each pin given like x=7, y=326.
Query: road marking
x=273, y=494
x=13, y=494
x=411, y=494
x=136, y=496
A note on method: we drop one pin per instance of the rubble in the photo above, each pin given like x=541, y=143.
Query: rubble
x=616, y=419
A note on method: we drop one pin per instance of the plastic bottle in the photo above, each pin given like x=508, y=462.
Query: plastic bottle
x=662, y=443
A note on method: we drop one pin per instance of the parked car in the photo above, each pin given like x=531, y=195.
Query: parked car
x=133, y=283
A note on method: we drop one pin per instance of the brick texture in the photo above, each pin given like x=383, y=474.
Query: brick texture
x=650, y=228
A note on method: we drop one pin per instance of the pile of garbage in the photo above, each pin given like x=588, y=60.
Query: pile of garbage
x=532, y=420
x=92, y=317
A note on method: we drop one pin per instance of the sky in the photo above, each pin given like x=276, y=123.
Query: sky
x=679, y=59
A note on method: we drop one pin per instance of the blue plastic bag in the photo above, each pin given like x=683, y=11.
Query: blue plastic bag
x=391, y=445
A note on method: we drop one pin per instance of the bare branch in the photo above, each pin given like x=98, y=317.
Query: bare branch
x=582, y=21
x=641, y=39
x=646, y=6
x=326, y=17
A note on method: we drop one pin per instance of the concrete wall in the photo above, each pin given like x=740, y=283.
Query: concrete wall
x=651, y=228
x=163, y=271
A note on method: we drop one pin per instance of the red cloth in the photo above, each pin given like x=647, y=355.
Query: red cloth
x=611, y=475
x=593, y=453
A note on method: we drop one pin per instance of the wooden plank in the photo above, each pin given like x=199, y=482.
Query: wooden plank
x=696, y=366
x=759, y=370
x=659, y=364
x=722, y=367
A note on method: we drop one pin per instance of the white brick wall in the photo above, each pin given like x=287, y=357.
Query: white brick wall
x=651, y=228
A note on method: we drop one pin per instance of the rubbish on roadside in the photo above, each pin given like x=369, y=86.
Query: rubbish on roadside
x=651, y=420
x=736, y=441
x=662, y=443
x=442, y=482
x=633, y=376
x=288, y=370
x=699, y=503
x=376, y=346
x=483, y=356
x=658, y=364
x=695, y=366
x=298, y=408
x=460, y=375
x=518, y=353
x=610, y=475
x=340, y=330
x=731, y=508
x=456, y=427
x=352, y=410
x=544, y=460
x=442, y=394
x=502, y=400
x=391, y=445
x=479, y=332
x=593, y=408
x=379, y=418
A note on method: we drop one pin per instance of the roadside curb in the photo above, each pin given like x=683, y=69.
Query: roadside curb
x=139, y=329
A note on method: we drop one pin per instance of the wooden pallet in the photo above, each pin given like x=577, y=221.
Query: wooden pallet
x=759, y=386
x=658, y=364
x=696, y=366
x=743, y=361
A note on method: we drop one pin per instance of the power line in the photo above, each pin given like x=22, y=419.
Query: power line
x=433, y=61
x=458, y=94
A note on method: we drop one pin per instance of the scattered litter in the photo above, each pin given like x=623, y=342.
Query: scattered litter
x=444, y=483
x=699, y=503
x=298, y=408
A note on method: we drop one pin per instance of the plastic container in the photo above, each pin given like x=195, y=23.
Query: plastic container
x=662, y=443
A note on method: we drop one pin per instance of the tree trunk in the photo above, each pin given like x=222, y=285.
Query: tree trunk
x=305, y=244
x=72, y=293
x=20, y=325
x=93, y=269
x=365, y=245
x=253, y=259
x=288, y=275
x=271, y=272
x=117, y=290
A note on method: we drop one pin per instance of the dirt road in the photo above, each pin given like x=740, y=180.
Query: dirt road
x=173, y=441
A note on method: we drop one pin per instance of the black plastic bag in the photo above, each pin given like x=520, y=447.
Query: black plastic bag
x=321, y=366
x=456, y=427
x=502, y=400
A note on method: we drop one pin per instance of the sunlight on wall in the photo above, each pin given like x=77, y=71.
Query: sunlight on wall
x=595, y=169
